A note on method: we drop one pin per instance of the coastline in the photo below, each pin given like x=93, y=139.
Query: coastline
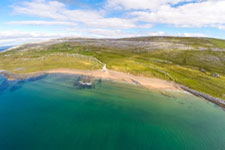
x=8, y=48
x=212, y=99
x=150, y=83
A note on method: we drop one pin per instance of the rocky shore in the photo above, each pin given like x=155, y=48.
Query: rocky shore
x=12, y=76
x=212, y=99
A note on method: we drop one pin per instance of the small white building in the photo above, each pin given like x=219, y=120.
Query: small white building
x=104, y=68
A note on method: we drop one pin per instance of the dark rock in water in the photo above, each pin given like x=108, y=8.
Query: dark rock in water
x=4, y=85
x=167, y=95
x=16, y=85
x=14, y=88
x=135, y=82
x=100, y=81
x=18, y=81
x=32, y=79
x=84, y=82
x=11, y=84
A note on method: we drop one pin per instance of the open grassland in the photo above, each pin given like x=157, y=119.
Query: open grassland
x=33, y=61
x=192, y=64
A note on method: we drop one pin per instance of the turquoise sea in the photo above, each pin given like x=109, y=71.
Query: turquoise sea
x=48, y=112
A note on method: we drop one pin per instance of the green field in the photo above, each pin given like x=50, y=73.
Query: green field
x=192, y=63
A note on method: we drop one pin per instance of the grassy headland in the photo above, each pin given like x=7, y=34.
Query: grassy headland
x=188, y=61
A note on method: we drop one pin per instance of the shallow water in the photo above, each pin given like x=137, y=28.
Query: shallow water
x=50, y=113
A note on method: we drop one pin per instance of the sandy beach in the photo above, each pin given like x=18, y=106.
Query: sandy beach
x=122, y=77
x=152, y=83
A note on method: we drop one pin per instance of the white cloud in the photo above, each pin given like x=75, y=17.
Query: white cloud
x=21, y=34
x=14, y=37
x=221, y=27
x=142, y=14
x=42, y=8
x=193, y=35
x=58, y=12
x=42, y=23
x=141, y=4
x=103, y=33
x=197, y=13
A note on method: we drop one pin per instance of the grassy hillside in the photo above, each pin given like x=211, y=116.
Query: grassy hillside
x=189, y=61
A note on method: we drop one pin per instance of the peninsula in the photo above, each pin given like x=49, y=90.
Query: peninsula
x=155, y=62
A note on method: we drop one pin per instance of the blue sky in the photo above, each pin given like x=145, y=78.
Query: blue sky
x=36, y=20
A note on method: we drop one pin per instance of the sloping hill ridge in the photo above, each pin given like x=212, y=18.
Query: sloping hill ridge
x=198, y=63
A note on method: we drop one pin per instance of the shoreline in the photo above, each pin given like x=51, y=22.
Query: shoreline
x=217, y=101
x=150, y=83
x=8, y=48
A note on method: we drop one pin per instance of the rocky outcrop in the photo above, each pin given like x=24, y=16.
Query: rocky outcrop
x=12, y=76
x=14, y=81
x=216, y=75
x=212, y=99
x=84, y=82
